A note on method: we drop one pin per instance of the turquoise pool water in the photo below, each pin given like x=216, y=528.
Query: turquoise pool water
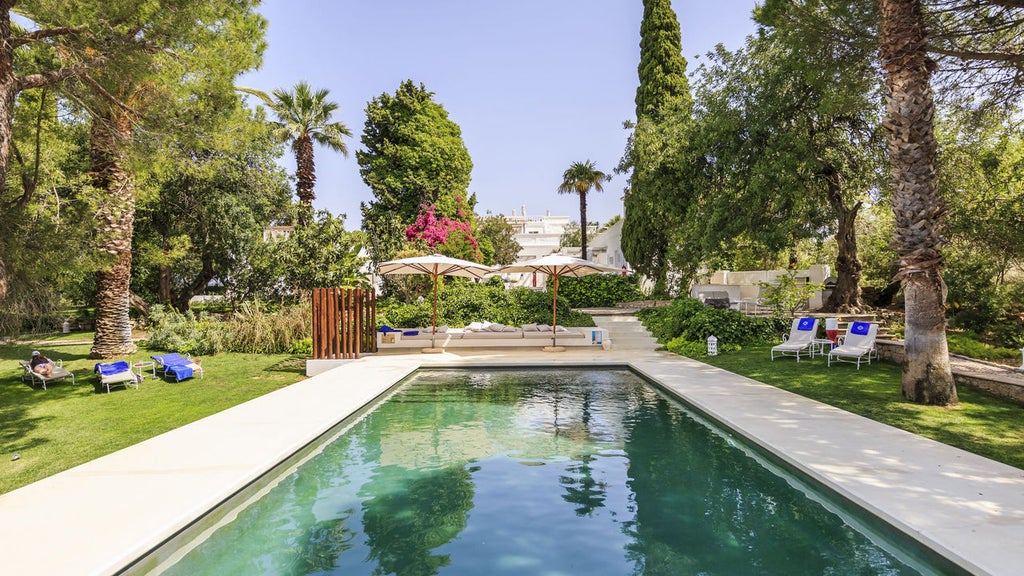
x=541, y=472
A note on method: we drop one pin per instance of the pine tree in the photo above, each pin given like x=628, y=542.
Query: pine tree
x=663, y=92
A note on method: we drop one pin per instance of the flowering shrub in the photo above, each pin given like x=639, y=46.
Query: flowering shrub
x=453, y=237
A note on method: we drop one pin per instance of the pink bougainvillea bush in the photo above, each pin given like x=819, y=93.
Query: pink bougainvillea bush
x=451, y=236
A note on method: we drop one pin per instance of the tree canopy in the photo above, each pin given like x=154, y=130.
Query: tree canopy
x=414, y=157
x=662, y=100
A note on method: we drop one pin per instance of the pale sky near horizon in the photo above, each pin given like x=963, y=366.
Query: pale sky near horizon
x=535, y=84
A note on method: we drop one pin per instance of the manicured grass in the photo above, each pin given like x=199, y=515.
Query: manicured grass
x=982, y=424
x=58, y=428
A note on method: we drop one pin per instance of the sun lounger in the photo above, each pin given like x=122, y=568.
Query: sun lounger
x=799, y=339
x=59, y=373
x=174, y=364
x=116, y=374
x=858, y=344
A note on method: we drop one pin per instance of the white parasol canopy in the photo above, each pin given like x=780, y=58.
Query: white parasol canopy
x=556, y=265
x=435, y=266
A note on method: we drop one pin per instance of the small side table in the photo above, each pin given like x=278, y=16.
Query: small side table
x=141, y=367
x=820, y=346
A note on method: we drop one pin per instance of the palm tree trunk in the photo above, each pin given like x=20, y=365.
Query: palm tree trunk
x=583, y=225
x=115, y=220
x=918, y=207
x=305, y=175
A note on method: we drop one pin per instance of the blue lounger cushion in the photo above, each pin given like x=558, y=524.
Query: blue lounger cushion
x=111, y=368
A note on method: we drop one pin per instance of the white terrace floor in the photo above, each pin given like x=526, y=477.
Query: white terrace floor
x=98, y=517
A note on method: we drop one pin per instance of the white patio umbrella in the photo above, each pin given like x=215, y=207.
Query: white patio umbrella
x=435, y=266
x=556, y=265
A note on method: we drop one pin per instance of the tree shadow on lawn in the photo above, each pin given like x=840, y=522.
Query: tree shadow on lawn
x=290, y=366
x=14, y=435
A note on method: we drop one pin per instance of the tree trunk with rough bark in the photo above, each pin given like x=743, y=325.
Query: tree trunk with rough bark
x=846, y=295
x=8, y=94
x=115, y=220
x=917, y=205
x=305, y=176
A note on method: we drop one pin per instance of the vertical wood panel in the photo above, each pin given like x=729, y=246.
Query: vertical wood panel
x=331, y=323
x=344, y=322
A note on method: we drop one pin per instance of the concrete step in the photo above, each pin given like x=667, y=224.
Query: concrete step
x=625, y=319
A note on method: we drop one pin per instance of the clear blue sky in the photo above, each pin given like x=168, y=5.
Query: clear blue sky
x=534, y=84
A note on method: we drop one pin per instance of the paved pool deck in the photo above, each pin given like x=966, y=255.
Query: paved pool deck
x=99, y=517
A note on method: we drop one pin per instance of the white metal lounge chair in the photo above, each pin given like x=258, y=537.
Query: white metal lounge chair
x=798, y=340
x=859, y=344
x=59, y=373
x=116, y=374
x=178, y=366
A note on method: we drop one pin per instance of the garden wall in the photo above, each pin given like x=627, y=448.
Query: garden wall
x=1002, y=386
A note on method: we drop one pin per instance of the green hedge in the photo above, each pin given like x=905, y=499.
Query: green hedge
x=460, y=303
x=599, y=290
x=685, y=324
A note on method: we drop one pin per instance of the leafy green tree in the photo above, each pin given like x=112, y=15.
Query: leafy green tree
x=580, y=178
x=662, y=100
x=497, y=241
x=192, y=49
x=64, y=41
x=304, y=118
x=323, y=254
x=982, y=166
x=214, y=199
x=414, y=156
x=784, y=146
x=45, y=237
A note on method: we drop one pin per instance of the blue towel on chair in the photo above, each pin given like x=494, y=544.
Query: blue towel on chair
x=860, y=328
x=805, y=324
x=172, y=359
x=112, y=368
x=181, y=372
x=386, y=329
x=409, y=332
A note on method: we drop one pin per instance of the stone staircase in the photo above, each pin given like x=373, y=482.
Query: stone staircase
x=626, y=332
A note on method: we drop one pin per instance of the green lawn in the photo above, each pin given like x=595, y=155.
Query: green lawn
x=982, y=424
x=56, y=429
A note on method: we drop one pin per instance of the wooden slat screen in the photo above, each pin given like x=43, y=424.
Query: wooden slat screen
x=344, y=323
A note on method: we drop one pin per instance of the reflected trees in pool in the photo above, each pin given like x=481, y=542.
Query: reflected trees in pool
x=406, y=522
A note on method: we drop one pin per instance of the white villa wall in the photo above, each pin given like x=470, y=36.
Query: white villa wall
x=743, y=285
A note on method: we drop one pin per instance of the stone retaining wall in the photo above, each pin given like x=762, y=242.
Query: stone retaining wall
x=994, y=384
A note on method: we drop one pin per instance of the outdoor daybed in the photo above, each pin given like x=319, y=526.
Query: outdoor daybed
x=487, y=335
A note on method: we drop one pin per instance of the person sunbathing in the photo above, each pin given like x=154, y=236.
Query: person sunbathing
x=41, y=364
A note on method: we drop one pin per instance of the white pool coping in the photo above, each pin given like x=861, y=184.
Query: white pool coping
x=99, y=517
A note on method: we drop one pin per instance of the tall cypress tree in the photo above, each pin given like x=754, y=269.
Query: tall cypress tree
x=661, y=98
x=662, y=68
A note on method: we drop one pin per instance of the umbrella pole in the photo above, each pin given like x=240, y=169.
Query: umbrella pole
x=554, y=315
x=554, y=311
x=433, y=330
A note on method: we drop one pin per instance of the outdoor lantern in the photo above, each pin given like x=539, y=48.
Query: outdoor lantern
x=1021, y=369
x=712, y=345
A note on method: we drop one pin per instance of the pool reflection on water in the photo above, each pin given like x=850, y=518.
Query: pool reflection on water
x=541, y=472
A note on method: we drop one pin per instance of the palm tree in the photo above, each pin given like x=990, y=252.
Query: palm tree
x=916, y=201
x=304, y=117
x=580, y=178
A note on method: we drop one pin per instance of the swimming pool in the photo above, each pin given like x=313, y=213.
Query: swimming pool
x=542, y=472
